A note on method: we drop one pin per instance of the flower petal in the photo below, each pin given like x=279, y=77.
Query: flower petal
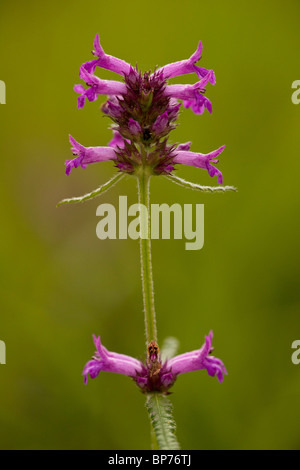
x=106, y=61
x=117, y=140
x=198, y=360
x=87, y=155
x=107, y=361
x=191, y=95
x=134, y=127
x=160, y=123
x=200, y=160
x=183, y=67
x=97, y=87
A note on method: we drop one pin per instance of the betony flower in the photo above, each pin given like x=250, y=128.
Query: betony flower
x=97, y=87
x=110, y=362
x=183, y=67
x=106, y=61
x=200, y=160
x=153, y=375
x=144, y=109
x=88, y=155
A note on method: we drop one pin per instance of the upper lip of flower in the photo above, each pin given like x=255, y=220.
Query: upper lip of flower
x=106, y=61
x=187, y=66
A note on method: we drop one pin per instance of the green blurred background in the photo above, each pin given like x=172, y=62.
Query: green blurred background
x=60, y=284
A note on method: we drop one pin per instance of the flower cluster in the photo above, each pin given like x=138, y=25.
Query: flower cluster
x=144, y=109
x=154, y=375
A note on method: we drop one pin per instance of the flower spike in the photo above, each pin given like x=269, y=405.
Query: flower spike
x=144, y=110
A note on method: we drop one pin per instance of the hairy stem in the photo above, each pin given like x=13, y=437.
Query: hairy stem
x=145, y=252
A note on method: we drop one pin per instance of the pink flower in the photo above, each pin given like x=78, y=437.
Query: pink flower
x=200, y=160
x=153, y=375
x=183, y=67
x=88, y=155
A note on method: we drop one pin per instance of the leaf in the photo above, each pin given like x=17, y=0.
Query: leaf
x=197, y=187
x=102, y=189
x=160, y=410
x=169, y=348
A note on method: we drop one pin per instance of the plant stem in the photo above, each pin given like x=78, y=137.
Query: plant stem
x=158, y=406
x=145, y=253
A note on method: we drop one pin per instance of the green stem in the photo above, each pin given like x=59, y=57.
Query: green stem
x=158, y=406
x=145, y=252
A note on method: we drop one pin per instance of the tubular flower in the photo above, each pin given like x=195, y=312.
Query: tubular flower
x=153, y=375
x=88, y=155
x=183, y=67
x=201, y=161
x=144, y=109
